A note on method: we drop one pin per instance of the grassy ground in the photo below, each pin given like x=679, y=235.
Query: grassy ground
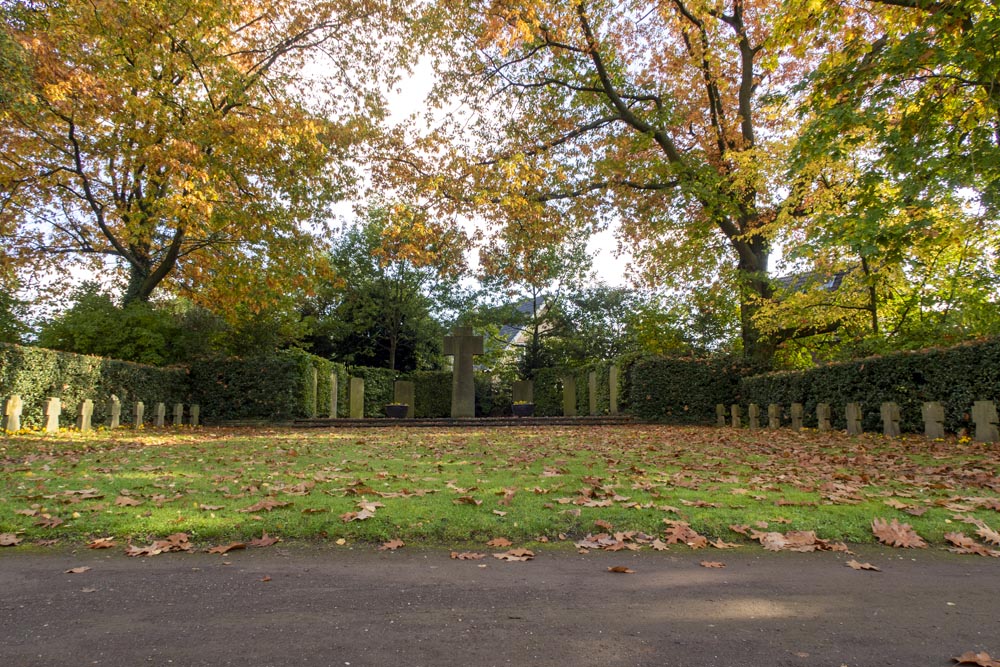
x=467, y=486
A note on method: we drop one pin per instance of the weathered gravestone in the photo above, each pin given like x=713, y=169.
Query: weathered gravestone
x=853, y=414
x=613, y=391
x=12, y=413
x=523, y=391
x=140, y=414
x=823, y=416
x=569, y=396
x=160, y=416
x=737, y=413
x=933, y=414
x=333, y=395
x=753, y=417
x=720, y=415
x=592, y=392
x=178, y=414
x=463, y=345
x=890, y=419
x=797, y=416
x=984, y=414
x=314, y=384
x=114, y=412
x=357, y=398
x=53, y=408
x=85, y=415
x=404, y=392
x=773, y=415
x=195, y=415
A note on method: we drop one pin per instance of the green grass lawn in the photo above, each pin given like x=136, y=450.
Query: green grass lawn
x=467, y=486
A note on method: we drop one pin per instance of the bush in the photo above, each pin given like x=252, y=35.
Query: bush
x=549, y=392
x=956, y=376
x=432, y=393
x=35, y=374
x=379, y=388
x=682, y=390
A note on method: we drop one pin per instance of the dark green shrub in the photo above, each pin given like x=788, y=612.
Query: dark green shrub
x=682, y=390
x=956, y=376
x=432, y=393
x=548, y=391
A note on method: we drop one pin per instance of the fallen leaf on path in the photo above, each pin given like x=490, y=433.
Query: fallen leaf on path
x=621, y=569
x=467, y=555
x=966, y=545
x=77, y=570
x=264, y=540
x=223, y=549
x=712, y=564
x=516, y=555
x=392, y=545
x=265, y=578
x=101, y=543
x=982, y=659
x=855, y=565
x=897, y=534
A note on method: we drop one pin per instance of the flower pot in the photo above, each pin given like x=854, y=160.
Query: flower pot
x=396, y=411
x=523, y=409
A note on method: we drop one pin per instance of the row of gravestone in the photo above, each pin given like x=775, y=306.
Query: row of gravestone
x=52, y=410
x=984, y=415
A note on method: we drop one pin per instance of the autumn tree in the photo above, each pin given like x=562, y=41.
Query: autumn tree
x=393, y=272
x=186, y=141
x=657, y=115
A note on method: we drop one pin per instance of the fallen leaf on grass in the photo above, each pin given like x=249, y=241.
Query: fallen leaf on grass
x=621, y=569
x=101, y=543
x=125, y=501
x=210, y=508
x=77, y=570
x=897, y=534
x=264, y=540
x=226, y=548
x=356, y=516
x=719, y=544
x=392, y=545
x=467, y=555
x=855, y=565
x=966, y=545
x=49, y=522
x=9, y=540
x=982, y=659
x=712, y=564
x=467, y=500
x=499, y=542
x=516, y=555
x=265, y=505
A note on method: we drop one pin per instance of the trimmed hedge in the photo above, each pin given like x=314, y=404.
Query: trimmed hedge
x=548, y=391
x=956, y=376
x=682, y=390
x=36, y=373
x=431, y=393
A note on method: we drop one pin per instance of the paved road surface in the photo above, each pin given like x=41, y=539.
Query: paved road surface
x=341, y=606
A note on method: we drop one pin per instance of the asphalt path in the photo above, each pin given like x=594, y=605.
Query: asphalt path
x=320, y=605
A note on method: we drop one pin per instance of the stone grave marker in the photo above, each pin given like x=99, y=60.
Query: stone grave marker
x=53, y=408
x=613, y=390
x=720, y=415
x=523, y=391
x=737, y=413
x=569, y=396
x=592, y=392
x=178, y=414
x=753, y=416
x=853, y=413
x=114, y=412
x=333, y=395
x=463, y=345
x=160, y=415
x=933, y=415
x=85, y=415
x=984, y=414
x=773, y=415
x=195, y=415
x=140, y=414
x=12, y=413
x=797, y=416
x=404, y=391
x=314, y=383
x=890, y=419
x=823, y=416
x=357, y=398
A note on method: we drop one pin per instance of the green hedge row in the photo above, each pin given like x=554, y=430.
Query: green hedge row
x=379, y=388
x=35, y=374
x=548, y=391
x=955, y=376
x=682, y=390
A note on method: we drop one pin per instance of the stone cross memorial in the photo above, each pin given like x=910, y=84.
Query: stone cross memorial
x=53, y=408
x=933, y=414
x=853, y=414
x=753, y=416
x=773, y=415
x=195, y=415
x=85, y=415
x=984, y=414
x=161, y=414
x=178, y=414
x=140, y=414
x=823, y=416
x=463, y=345
x=890, y=419
x=720, y=415
x=114, y=412
x=12, y=413
x=796, y=416
x=737, y=414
